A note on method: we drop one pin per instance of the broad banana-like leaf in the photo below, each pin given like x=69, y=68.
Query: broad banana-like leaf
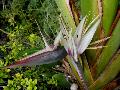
x=109, y=12
x=89, y=8
x=64, y=7
x=112, y=45
x=108, y=75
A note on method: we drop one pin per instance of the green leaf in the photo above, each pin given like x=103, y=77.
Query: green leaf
x=109, y=12
x=87, y=73
x=112, y=45
x=78, y=73
x=89, y=8
x=61, y=79
x=66, y=13
x=109, y=74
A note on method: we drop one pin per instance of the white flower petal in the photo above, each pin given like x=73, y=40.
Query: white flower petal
x=86, y=39
x=78, y=33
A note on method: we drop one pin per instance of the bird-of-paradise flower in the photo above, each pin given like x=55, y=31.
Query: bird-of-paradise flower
x=74, y=44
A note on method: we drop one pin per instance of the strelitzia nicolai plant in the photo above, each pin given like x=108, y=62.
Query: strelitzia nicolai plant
x=73, y=45
x=36, y=58
x=71, y=35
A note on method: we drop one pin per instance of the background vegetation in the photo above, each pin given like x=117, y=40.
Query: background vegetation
x=20, y=36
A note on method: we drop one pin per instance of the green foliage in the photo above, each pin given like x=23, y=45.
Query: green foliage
x=89, y=9
x=4, y=74
x=20, y=24
x=112, y=46
x=108, y=74
x=22, y=21
x=111, y=12
x=60, y=78
x=66, y=13
x=21, y=83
